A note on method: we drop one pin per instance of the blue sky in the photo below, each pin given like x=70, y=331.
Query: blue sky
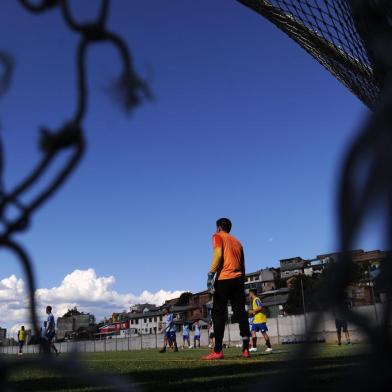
x=244, y=124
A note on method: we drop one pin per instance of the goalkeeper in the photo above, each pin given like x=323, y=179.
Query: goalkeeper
x=228, y=268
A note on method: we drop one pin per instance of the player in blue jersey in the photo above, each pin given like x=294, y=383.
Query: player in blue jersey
x=50, y=330
x=250, y=321
x=211, y=335
x=169, y=331
x=185, y=335
x=197, y=333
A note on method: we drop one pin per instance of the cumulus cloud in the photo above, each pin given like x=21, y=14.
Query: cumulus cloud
x=81, y=288
x=11, y=289
x=13, y=301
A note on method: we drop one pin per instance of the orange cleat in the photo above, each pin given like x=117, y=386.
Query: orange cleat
x=213, y=356
x=245, y=354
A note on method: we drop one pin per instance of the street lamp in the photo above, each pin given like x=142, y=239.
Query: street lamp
x=229, y=314
x=371, y=283
x=277, y=316
x=304, y=310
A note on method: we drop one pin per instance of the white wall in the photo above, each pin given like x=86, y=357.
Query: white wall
x=281, y=328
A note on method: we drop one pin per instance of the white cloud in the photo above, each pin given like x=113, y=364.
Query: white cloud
x=81, y=288
x=13, y=305
x=11, y=288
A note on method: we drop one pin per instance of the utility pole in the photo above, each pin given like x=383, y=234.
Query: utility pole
x=304, y=310
x=228, y=324
x=371, y=282
x=277, y=316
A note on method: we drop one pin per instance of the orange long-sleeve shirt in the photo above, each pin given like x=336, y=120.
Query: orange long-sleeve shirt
x=232, y=264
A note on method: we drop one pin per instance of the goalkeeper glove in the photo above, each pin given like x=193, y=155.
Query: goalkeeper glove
x=211, y=282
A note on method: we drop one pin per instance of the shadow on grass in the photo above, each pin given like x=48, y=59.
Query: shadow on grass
x=319, y=374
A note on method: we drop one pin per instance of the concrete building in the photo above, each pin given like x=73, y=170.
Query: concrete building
x=275, y=300
x=151, y=322
x=78, y=326
x=293, y=266
x=139, y=308
x=197, y=307
x=3, y=335
x=262, y=280
x=147, y=322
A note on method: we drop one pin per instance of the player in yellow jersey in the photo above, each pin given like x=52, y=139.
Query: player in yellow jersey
x=259, y=321
x=21, y=339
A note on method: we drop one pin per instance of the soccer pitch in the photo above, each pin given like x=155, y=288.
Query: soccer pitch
x=184, y=371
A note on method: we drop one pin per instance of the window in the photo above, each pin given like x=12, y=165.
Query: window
x=137, y=321
x=160, y=318
x=150, y=319
x=155, y=319
x=131, y=321
x=145, y=320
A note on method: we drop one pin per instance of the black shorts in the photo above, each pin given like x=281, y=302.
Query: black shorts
x=341, y=325
x=212, y=335
x=50, y=336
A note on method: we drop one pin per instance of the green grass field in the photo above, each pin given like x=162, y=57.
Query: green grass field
x=184, y=371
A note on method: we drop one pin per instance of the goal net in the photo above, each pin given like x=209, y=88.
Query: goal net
x=326, y=30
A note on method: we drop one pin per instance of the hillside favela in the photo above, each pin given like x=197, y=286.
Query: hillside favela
x=289, y=293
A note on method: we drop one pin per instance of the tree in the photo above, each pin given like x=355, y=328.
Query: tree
x=72, y=312
x=317, y=293
x=310, y=285
x=184, y=298
x=279, y=282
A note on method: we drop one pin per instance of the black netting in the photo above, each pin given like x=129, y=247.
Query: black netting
x=352, y=39
x=326, y=30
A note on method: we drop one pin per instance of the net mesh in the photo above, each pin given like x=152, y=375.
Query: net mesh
x=326, y=30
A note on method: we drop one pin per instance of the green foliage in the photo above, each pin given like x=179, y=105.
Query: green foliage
x=184, y=298
x=72, y=312
x=267, y=312
x=279, y=282
x=359, y=271
x=317, y=293
x=311, y=293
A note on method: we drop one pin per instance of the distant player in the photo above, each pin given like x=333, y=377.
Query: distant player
x=196, y=335
x=250, y=321
x=50, y=331
x=185, y=335
x=259, y=321
x=21, y=339
x=340, y=315
x=211, y=335
x=170, y=331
